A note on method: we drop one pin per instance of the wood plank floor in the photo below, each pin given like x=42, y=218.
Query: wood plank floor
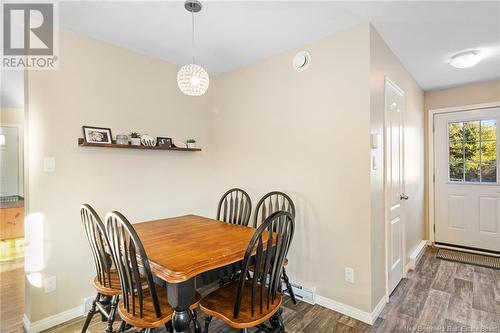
x=11, y=296
x=439, y=296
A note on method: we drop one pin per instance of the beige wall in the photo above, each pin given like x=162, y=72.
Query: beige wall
x=307, y=134
x=11, y=115
x=478, y=93
x=102, y=85
x=383, y=63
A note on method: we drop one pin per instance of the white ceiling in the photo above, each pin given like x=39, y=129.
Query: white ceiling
x=232, y=34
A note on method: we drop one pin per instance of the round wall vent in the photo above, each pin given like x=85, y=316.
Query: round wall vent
x=301, y=61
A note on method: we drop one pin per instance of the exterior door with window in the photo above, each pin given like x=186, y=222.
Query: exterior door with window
x=467, y=188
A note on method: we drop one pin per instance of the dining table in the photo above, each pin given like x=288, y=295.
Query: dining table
x=189, y=252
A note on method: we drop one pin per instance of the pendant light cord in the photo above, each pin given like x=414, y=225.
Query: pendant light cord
x=192, y=37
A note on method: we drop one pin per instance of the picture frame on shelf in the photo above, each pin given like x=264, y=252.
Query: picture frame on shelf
x=164, y=142
x=99, y=135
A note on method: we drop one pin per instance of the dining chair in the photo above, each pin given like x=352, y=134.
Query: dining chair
x=143, y=304
x=244, y=303
x=106, y=282
x=270, y=203
x=235, y=207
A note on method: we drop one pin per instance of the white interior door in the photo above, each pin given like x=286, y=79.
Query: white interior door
x=467, y=191
x=9, y=161
x=394, y=109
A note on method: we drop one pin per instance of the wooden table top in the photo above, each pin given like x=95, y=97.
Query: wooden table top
x=182, y=247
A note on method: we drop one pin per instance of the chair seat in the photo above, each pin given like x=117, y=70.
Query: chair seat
x=149, y=319
x=109, y=289
x=220, y=304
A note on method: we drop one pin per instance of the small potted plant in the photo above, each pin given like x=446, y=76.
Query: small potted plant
x=191, y=143
x=135, y=139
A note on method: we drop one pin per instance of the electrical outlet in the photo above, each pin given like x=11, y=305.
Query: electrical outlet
x=349, y=275
x=50, y=284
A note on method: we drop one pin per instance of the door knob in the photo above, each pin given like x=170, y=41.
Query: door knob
x=403, y=197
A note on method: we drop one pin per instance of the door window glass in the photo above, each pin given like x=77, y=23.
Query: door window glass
x=472, y=151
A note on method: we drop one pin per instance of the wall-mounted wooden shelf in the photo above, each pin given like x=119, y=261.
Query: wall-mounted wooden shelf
x=82, y=143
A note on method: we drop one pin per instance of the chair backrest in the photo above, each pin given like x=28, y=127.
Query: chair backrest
x=235, y=207
x=98, y=241
x=270, y=203
x=128, y=252
x=266, y=253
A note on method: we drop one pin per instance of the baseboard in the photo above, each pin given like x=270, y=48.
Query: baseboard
x=26, y=323
x=378, y=309
x=351, y=311
x=417, y=254
x=52, y=321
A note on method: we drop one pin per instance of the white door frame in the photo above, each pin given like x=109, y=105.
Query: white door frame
x=430, y=153
x=386, y=199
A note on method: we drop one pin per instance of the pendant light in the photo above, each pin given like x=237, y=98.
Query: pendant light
x=193, y=79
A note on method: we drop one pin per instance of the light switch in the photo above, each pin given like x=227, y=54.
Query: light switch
x=49, y=164
x=375, y=141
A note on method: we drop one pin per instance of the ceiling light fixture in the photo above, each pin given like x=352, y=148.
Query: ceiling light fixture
x=466, y=59
x=192, y=79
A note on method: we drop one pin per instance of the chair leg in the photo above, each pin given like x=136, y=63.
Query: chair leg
x=289, y=286
x=105, y=303
x=91, y=313
x=121, y=329
x=169, y=327
x=280, y=321
x=194, y=319
x=207, y=323
x=112, y=314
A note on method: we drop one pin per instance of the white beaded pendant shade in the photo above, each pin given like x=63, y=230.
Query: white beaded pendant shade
x=193, y=80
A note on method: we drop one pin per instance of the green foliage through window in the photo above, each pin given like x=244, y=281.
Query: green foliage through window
x=473, y=151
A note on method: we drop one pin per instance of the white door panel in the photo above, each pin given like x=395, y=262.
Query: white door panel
x=394, y=104
x=467, y=191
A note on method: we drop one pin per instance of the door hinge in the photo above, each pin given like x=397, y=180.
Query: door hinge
x=434, y=228
x=433, y=178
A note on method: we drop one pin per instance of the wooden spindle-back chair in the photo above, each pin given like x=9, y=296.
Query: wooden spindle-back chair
x=270, y=203
x=144, y=304
x=235, y=207
x=106, y=281
x=249, y=303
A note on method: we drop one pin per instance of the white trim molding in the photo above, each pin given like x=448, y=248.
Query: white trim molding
x=52, y=321
x=417, y=254
x=351, y=311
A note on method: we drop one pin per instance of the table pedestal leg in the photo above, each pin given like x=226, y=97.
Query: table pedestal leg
x=180, y=297
x=181, y=321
